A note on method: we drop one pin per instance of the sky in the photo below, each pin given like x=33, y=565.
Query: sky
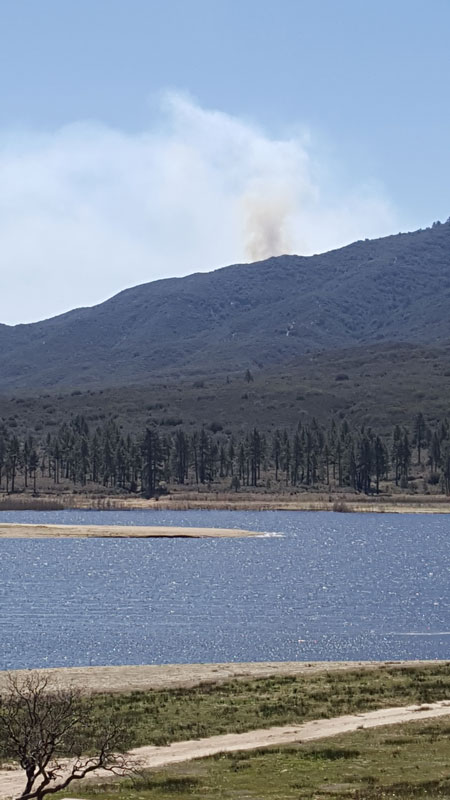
x=145, y=139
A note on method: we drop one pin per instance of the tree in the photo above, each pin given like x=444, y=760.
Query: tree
x=286, y=455
x=419, y=434
x=203, y=454
x=151, y=453
x=276, y=451
x=48, y=729
x=255, y=452
x=296, y=458
x=435, y=452
x=397, y=452
x=33, y=464
x=13, y=454
x=405, y=456
x=181, y=456
x=364, y=466
x=381, y=461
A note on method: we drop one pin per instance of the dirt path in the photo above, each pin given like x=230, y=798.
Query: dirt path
x=173, y=676
x=151, y=757
x=21, y=531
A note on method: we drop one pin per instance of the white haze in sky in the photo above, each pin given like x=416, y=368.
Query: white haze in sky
x=87, y=210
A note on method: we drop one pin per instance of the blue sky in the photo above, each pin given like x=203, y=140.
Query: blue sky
x=147, y=138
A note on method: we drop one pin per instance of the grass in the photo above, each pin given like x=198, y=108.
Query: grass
x=404, y=762
x=247, y=499
x=19, y=502
x=161, y=717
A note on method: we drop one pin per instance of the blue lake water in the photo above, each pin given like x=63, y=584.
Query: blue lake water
x=328, y=586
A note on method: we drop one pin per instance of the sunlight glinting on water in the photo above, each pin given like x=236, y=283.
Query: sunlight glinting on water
x=319, y=586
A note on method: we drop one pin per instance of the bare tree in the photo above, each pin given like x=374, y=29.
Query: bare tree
x=49, y=730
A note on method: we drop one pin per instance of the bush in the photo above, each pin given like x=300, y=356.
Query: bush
x=340, y=506
x=215, y=427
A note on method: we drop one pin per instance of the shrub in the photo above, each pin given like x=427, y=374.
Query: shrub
x=215, y=427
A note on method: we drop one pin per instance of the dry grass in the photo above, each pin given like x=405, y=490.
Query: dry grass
x=245, y=500
x=24, y=502
x=259, y=501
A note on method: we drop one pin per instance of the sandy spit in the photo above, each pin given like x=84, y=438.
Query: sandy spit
x=173, y=676
x=151, y=757
x=21, y=531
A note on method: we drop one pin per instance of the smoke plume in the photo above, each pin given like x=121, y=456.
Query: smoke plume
x=86, y=210
x=266, y=226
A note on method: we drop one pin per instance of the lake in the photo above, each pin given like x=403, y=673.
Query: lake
x=322, y=586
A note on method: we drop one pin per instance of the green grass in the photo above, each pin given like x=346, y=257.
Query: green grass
x=161, y=717
x=406, y=762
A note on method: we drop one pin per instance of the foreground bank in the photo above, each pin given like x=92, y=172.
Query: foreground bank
x=169, y=726
x=151, y=757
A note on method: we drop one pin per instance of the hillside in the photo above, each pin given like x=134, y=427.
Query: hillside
x=379, y=385
x=395, y=289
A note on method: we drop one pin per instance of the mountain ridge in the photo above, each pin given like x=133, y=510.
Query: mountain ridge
x=392, y=289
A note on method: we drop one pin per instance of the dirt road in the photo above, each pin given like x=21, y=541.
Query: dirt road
x=150, y=757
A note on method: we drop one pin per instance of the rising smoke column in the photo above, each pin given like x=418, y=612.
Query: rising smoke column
x=266, y=224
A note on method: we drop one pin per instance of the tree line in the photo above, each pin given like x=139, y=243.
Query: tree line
x=333, y=455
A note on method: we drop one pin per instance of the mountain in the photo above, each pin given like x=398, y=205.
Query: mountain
x=394, y=289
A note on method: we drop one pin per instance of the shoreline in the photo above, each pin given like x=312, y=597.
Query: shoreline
x=307, y=505
x=132, y=678
x=37, y=531
x=221, y=501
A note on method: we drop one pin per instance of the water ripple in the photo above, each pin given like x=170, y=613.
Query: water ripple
x=320, y=586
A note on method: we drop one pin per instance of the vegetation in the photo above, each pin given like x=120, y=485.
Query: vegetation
x=161, y=717
x=335, y=456
x=404, y=762
x=40, y=724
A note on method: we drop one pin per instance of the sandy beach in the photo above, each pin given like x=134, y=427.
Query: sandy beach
x=21, y=531
x=172, y=676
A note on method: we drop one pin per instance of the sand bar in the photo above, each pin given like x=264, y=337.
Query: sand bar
x=173, y=676
x=22, y=531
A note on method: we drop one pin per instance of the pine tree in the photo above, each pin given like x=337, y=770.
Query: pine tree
x=419, y=434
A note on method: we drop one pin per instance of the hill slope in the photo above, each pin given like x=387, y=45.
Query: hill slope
x=395, y=289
